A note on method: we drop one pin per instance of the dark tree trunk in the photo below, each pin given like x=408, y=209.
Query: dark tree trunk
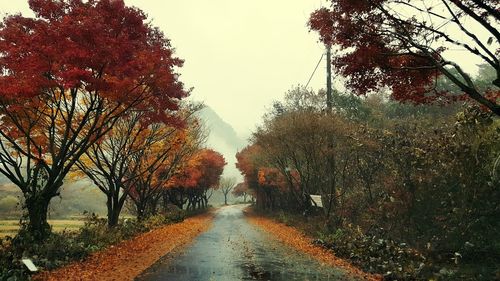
x=38, y=206
x=141, y=210
x=153, y=206
x=114, y=203
x=165, y=200
x=206, y=201
x=190, y=205
x=113, y=212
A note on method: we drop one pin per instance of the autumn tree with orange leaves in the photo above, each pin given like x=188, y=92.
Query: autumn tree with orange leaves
x=254, y=167
x=116, y=163
x=195, y=181
x=211, y=165
x=158, y=163
x=68, y=75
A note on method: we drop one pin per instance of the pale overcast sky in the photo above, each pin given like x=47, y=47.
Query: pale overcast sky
x=239, y=55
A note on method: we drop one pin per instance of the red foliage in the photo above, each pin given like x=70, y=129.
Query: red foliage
x=370, y=58
x=247, y=164
x=202, y=171
x=211, y=165
x=95, y=46
x=272, y=177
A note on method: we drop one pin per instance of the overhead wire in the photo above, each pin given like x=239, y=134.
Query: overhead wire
x=316, y=68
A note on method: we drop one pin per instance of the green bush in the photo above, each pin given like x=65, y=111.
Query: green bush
x=154, y=221
x=283, y=218
x=8, y=204
x=176, y=215
x=57, y=250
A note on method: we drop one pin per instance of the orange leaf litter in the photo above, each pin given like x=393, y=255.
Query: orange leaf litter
x=296, y=239
x=129, y=258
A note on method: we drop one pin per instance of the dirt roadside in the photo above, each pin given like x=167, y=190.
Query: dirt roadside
x=128, y=259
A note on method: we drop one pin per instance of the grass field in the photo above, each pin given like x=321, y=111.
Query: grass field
x=10, y=227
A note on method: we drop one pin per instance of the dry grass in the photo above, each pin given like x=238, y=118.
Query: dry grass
x=10, y=227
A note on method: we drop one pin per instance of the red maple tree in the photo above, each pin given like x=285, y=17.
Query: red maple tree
x=402, y=45
x=67, y=75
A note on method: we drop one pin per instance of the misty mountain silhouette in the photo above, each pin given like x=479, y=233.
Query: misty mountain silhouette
x=222, y=138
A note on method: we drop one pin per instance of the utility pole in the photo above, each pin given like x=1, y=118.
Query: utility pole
x=329, y=78
x=330, y=160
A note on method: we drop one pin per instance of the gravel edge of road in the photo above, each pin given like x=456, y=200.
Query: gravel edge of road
x=130, y=258
x=298, y=240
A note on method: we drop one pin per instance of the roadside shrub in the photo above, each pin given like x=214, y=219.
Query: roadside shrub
x=96, y=235
x=8, y=204
x=176, y=215
x=61, y=248
x=10, y=265
x=57, y=250
x=154, y=221
x=283, y=218
x=374, y=252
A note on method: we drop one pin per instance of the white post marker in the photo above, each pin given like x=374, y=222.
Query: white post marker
x=30, y=265
x=317, y=199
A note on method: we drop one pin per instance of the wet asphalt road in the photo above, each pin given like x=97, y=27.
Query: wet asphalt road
x=233, y=249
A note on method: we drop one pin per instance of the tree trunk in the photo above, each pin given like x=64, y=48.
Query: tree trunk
x=165, y=201
x=113, y=212
x=153, y=207
x=38, y=206
x=141, y=214
x=141, y=210
x=115, y=205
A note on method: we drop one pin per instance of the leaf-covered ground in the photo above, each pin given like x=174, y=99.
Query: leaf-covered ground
x=128, y=259
x=298, y=240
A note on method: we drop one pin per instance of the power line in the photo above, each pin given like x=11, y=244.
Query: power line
x=320, y=59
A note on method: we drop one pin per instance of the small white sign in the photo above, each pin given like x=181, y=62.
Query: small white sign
x=30, y=265
x=317, y=199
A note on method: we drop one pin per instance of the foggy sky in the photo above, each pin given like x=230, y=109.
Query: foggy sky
x=239, y=55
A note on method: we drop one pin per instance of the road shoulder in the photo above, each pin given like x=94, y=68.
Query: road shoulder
x=296, y=239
